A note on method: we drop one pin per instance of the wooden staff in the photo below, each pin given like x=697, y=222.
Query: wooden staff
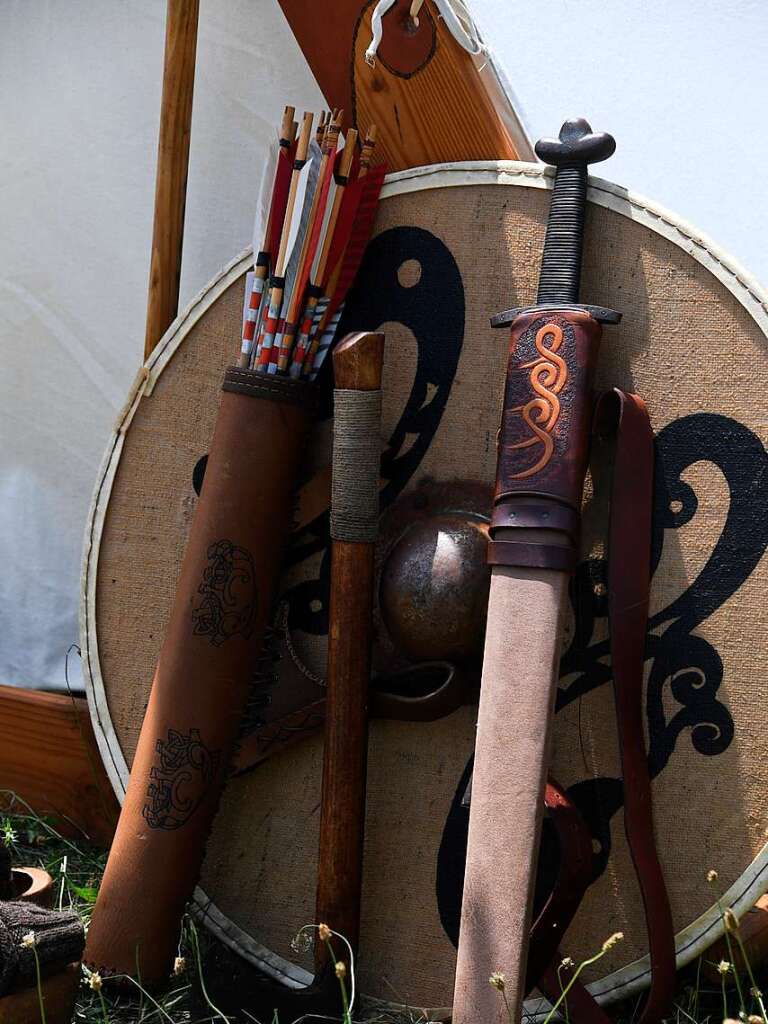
x=172, y=166
x=357, y=364
x=277, y=281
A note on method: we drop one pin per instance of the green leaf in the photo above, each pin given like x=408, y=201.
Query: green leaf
x=86, y=893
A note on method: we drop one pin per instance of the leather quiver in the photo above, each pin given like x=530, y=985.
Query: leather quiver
x=544, y=439
x=215, y=635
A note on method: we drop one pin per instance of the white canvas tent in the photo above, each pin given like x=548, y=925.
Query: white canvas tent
x=682, y=86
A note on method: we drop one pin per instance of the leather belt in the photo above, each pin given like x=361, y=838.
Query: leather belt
x=624, y=417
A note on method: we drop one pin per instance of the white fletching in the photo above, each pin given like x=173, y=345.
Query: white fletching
x=264, y=200
x=300, y=220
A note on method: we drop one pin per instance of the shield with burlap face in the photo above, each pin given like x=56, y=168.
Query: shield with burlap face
x=453, y=245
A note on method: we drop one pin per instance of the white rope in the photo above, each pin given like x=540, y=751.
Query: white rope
x=457, y=18
x=460, y=24
x=379, y=11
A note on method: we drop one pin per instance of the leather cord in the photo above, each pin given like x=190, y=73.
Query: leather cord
x=356, y=455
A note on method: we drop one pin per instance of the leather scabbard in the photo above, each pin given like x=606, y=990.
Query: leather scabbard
x=212, y=643
x=543, y=452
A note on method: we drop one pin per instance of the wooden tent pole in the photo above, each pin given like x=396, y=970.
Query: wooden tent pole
x=172, y=165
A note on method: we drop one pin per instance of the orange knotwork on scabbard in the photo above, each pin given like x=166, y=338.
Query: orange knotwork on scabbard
x=549, y=375
x=545, y=424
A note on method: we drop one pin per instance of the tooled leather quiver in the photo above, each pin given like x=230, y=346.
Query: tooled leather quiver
x=212, y=644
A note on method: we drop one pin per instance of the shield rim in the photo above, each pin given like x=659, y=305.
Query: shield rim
x=743, y=893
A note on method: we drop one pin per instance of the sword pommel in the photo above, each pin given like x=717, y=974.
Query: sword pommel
x=577, y=144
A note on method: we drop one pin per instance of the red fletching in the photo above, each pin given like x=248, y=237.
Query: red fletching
x=344, y=226
x=346, y=220
x=279, y=198
x=363, y=217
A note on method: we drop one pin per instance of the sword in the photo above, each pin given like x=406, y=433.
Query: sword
x=542, y=460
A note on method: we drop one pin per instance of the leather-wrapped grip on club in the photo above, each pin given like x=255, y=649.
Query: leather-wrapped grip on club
x=211, y=649
x=543, y=443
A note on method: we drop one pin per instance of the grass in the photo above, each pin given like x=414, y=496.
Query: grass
x=77, y=868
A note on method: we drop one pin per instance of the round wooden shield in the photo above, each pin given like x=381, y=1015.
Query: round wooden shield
x=453, y=245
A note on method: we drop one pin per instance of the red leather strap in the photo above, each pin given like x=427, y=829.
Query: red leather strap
x=573, y=879
x=624, y=417
x=629, y=567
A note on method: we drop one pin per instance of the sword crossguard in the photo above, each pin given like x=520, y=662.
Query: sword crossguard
x=577, y=144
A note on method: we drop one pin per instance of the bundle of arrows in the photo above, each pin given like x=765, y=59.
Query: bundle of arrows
x=321, y=196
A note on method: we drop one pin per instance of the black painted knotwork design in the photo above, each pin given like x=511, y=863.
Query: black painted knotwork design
x=198, y=474
x=432, y=310
x=180, y=781
x=683, y=664
x=681, y=660
x=228, y=590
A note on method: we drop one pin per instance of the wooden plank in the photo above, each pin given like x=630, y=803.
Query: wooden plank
x=49, y=759
x=59, y=994
x=424, y=92
x=172, y=166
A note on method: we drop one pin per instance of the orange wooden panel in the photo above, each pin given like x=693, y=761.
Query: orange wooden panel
x=424, y=92
x=49, y=758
